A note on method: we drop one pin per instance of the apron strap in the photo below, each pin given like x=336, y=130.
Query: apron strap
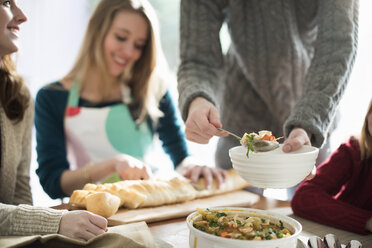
x=73, y=98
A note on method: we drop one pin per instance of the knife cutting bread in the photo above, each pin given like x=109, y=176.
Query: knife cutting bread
x=105, y=199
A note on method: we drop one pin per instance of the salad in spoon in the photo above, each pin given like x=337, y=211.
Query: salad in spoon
x=264, y=141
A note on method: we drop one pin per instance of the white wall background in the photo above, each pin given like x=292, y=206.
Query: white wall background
x=51, y=38
x=50, y=41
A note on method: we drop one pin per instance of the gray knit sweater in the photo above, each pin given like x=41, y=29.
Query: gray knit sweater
x=288, y=63
x=14, y=182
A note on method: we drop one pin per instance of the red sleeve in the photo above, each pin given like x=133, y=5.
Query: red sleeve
x=314, y=199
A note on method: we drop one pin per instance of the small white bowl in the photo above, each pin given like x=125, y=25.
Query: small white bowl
x=200, y=239
x=274, y=169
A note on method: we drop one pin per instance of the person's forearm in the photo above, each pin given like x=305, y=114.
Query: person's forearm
x=326, y=80
x=25, y=220
x=199, y=75
x=91, y=173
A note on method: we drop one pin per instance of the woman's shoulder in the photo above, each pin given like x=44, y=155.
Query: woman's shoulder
x=351, y=147
x=53, y=88
x=53, y=92
x=352, y=143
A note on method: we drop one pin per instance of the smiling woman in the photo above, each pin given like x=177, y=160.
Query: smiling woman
x=130, y=29
x=10, y=19
x=111, y=89
x=97, y=124
x=17, y=216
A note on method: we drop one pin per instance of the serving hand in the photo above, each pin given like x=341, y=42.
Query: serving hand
x=297, y=138
x=202, y=120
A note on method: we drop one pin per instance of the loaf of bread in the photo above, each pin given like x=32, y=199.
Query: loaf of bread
x=233, y=182
x=101, y=203
x=148, y=193
x=144, y=193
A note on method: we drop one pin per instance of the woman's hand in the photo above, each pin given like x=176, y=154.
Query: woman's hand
x=130, y=168
x=197, y=171
x=189, y=169
x=202, y=121
x=82, y=225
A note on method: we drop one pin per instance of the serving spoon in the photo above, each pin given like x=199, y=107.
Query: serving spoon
x=258, y=145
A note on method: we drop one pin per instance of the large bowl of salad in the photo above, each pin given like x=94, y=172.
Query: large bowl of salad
x=241, y=227
x=274, y=169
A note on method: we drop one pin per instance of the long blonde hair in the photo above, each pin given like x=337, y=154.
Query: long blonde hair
x=143, y=79
x=365, y=140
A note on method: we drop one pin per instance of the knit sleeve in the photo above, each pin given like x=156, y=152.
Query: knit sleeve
x=22, y=193
x=26, y=220
x=316, y=199
x=170, y=131
x=199, y=73
x=326, y=80
x=51, y=147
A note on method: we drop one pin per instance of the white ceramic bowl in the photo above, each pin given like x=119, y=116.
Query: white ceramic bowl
x=200, y=239
x=274, y=169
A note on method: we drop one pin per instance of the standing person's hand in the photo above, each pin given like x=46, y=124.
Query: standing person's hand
x=82, y=225
x=130, y=168
x=296, y=139
x=202, y=121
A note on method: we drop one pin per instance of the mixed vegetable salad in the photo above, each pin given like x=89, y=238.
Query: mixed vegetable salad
x=236, y=226
x=247, y=139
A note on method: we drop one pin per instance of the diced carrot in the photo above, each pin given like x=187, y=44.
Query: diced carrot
x=224, y=234
x=268, y=137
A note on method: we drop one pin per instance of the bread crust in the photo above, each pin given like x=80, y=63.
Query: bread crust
x=148, y=193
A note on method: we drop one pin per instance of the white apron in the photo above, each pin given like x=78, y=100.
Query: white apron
x=97, y=134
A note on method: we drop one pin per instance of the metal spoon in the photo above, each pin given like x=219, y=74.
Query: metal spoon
x=264, y=145
x=258, y=145
x=232, y=134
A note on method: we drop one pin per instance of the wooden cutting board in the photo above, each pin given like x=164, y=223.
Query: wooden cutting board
x=240, y=198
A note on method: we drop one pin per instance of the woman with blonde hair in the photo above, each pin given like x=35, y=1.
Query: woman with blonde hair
x=340, y=195
x=17, y=216
x=99, y=121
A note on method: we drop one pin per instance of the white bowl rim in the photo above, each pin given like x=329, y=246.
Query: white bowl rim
x=237, y=241
x=312, y=151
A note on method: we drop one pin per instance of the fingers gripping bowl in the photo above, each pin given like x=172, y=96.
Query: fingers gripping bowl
x=274, y=169
x=219, y=239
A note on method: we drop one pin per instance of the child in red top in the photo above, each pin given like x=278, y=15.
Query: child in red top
x=340, y=195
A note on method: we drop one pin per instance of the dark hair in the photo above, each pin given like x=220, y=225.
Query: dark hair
x=13, y=100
